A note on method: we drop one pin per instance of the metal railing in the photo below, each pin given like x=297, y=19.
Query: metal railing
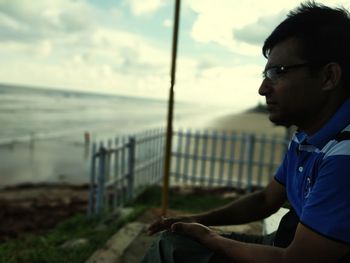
x=122, y=169
x=240, y=160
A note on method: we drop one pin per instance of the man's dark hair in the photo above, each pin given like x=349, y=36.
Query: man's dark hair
x=323, y=32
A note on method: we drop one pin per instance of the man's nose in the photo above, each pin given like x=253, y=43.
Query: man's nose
x=265, y=87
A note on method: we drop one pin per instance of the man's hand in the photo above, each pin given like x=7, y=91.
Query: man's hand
x=165, y=223
x=197, y=231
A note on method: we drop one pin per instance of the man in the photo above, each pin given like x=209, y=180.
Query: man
x=306, y=83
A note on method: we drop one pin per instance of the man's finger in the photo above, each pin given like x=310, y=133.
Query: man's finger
x=159, y=225
x=177, y=227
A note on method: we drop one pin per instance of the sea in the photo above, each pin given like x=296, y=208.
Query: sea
x=42, y=131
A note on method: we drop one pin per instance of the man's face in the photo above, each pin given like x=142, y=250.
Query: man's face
x=293, y=96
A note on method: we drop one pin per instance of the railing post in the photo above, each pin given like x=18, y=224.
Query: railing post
x=213, y=160
x=92, y=182
x=131, y=162
x=250, y=161
x=233, y=139
x=101, y=181
x=204, y=158
x=272, y=158
x=116, y=184
x=108, y=161
x=261, y=172
x=241, y=160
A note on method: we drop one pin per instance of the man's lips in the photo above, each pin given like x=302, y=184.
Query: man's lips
x=270, y=102
x=270, y=105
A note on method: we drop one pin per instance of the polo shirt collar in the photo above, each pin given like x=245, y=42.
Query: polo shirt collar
x=335, y=125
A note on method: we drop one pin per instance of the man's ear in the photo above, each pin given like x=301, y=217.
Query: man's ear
x=332, y=73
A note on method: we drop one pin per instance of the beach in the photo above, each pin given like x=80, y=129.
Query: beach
x=48, y=178
x=46, y=139
x=249, y=122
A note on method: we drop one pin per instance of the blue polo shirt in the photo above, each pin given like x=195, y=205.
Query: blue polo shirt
x=316, y=174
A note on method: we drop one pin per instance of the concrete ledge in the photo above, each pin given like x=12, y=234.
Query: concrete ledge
x=114, y=248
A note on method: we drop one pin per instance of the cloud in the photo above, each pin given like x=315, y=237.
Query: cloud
x=68, y=49
x=64, y=32
x=63, y=47
x=145, y=7
x=126, y=51
x=207, y=62
x=215, y=23
x=257, y=32
x=77, y=45
x=35, y=20
x=167, y=23
x=226, y=85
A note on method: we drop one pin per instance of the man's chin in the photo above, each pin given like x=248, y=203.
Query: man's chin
x=279, y=120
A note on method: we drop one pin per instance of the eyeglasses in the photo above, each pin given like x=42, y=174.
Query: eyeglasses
x=273, y=73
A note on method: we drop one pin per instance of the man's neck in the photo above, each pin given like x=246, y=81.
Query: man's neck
x=316, y=122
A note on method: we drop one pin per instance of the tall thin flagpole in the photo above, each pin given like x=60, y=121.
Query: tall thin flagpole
x=169, y=131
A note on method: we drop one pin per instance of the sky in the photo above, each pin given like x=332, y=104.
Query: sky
x=124, y=46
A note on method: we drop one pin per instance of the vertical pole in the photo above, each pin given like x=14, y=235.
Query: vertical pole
x=186, y=175
x=241, y=160
x=250, y=163
x=178, y=155
x=122, y=171
x=161, y=149
x=261, y=160
x=116, y=173
x=158, y=153
x=131, y=167
x=108, y=161
x=232, y=156
x=204, y=157
x=214, y=138
x=92, y=181
x=195, y=178
x=154, y=154
x=170, y=113
x=272, y=158
x=222, y=159
x=101, y=181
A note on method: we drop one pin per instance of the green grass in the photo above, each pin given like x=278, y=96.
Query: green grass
x=47, y=248
x=192, y=202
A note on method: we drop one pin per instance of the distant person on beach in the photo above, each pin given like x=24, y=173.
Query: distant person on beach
x=306, y=83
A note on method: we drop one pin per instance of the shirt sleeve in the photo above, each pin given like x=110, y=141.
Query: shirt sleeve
x=327, y=209
x=280, y=175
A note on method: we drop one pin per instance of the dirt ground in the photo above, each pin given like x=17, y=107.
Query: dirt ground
x=35, y=208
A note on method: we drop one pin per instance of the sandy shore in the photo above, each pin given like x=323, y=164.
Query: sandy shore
x=246, y=122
